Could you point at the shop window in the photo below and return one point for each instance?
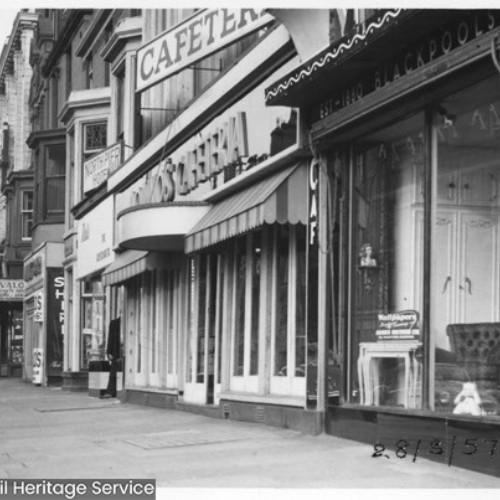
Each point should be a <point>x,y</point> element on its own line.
<point>387,266</point>
<point>26,214</point>
<point>246,299</point>
<point>465,304</point>
<point>93,335</point>
<point>289,310</point>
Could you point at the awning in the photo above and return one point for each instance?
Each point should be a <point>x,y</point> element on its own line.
<point>134,262</point>
<point>280,198</point>
<point>125,266</point>
<point>386,34</point>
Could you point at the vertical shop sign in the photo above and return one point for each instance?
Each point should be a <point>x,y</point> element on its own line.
<point>37,366</point>
<point>38,310</point>
<point>313,206</point>
<point>55,320</point>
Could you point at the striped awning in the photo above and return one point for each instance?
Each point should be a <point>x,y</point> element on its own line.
<point>280,198</point>
<point>125,266</point>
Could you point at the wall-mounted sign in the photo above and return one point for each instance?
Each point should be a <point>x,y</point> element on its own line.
<point>401,325</point>
<point>11,290</point>
<point>97,169</point>
<point>202,34</point>
<point>38,307</point>
<point>55,320</point>
<point>95,239</point>
<point>242,137</point>
<point>37,377</point>
<point>313,202</point>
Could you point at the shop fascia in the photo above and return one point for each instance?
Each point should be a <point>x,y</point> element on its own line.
<point>461,32</point>
<point>11,290</point>
<point>226,144</point>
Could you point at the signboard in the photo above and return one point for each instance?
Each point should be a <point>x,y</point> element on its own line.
<point>247,133</point>
<point>55,320</point>
<point>37,366</point>
<point>401,325</point>
<point>97,168</point>
<point>38,308</point>
<point>417,56</point>
<point>11,290</point>
<point>95,239</point>
<point>202,34</point>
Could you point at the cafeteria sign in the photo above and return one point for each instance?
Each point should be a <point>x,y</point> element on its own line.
<point>199,36</point>
<point>401,325</point>
<point>11,290</point>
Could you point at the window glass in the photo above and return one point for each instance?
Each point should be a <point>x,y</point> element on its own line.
<point>202,318</point>
<point>27,214</point>
<point>300,303</point>
<point>282,279</point>
<point>254,327</point>
<point>465,314</point>
<point>239,325</point>
<point>386,271</point>
<point>55,166</point>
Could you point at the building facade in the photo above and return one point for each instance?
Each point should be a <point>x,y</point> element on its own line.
<point>16,200</point>
<point>291,229</point>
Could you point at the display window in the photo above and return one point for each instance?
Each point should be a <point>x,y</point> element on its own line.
<point>424,269</point>
<point>465,300</point>
<point>93,335</point>
<point>386,266</point>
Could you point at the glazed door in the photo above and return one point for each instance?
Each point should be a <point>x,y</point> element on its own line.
<point>203,344</point>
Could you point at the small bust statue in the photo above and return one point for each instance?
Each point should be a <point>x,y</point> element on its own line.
<point>366,256</point>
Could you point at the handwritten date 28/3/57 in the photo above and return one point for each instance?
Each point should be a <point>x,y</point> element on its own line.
<point>403,448</point>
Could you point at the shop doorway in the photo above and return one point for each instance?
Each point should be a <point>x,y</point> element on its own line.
<point>204,340</point>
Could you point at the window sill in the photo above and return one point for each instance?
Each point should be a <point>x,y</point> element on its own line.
<point>263,399</point>
<point>494,419</point>
<point>156,390</point>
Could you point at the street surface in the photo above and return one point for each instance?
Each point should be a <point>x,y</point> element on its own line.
<point>50,434</point>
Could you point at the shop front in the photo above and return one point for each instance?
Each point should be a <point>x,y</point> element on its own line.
<point>93,254</point>
<point>44,325</point>
<point>409,155</point>
<point>215,268</point>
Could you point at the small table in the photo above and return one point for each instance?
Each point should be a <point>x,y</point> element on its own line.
<point>368,369</point>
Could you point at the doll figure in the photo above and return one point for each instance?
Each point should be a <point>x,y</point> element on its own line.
<point>468,401</point>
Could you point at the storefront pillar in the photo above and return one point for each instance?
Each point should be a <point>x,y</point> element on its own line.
<point>322,283</point>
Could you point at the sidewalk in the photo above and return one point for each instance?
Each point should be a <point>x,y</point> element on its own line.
<point>47,433</point>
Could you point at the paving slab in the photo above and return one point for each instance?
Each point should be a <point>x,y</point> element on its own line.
<point>46,433</point>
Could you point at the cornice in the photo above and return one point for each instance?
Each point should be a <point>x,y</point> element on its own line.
<point>127,30</point>
<point>82,99</point>
<point>93,31</point>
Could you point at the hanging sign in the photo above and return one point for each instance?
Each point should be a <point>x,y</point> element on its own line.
<point>97,168</point>
<point>401,325</point>
<point>202,34</point>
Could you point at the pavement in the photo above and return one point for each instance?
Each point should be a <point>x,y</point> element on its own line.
<point>46,433</point>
